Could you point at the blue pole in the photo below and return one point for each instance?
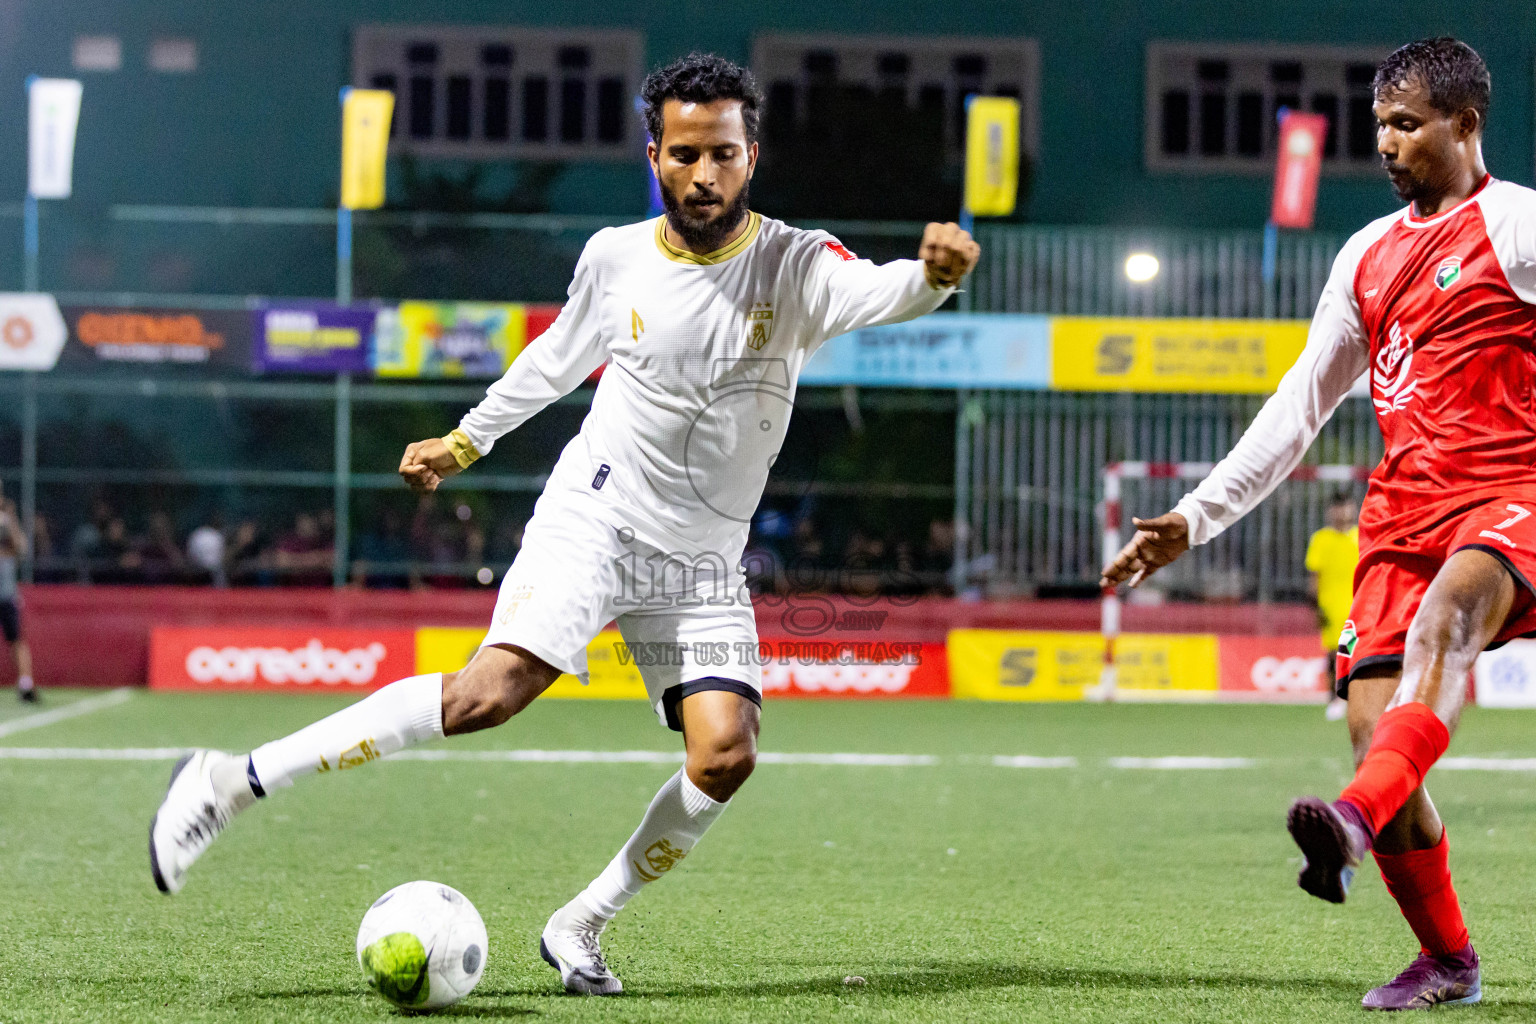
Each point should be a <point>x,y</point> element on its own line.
<point>29,244</point>
<point>343,256</point>
<point>1271,250</point>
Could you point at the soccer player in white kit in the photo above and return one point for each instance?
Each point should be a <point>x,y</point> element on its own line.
<point>706,316</point>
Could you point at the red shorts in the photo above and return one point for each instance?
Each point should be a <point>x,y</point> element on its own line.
<point>1392,578</point>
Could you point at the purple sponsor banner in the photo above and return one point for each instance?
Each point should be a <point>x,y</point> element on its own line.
<point>313,337</point>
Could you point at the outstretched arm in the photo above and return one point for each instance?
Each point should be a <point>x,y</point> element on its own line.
<point>848,293</point>
<point>1335,355</point>
<point>552,366</point>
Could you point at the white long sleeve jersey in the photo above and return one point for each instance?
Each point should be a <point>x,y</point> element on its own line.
<point>1442,311</point>
<point>705,355</point>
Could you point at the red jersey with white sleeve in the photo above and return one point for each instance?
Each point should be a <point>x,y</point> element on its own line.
<point>1441,313</point>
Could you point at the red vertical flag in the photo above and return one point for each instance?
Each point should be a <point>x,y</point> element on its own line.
<point>1296,170</point>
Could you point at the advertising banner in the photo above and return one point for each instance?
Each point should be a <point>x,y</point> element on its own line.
<point>795,667</point>
<point>991,155</point>
<point>288,658</point>
<point>310,337</point>
<point>1170,666</point>
<point>449,339</point>
<point>1130,354</point>
<point>1278,668</point>
<point>1506,678</point>
<point>365,116</point>
<point>199,337</point>
<point>53,112</point>
<point>32,331</point>
<point>612,674</point>
<point>994,664</point>
<point>1299,161</point>
<point>987,664</point>
<point>941,350</point>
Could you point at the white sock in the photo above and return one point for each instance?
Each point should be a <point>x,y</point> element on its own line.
<point>402,714</point>
<point>24,683</point>
<point>677,819</point>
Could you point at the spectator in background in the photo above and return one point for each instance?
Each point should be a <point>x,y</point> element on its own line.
<point>13,545</point>
<point>382,553</point>
<point>244,553</point>
<point>163,560</point>
<point>1332,554</point>
<point>303,557</point>
<point>205,552</point>
<point>938,555</point>
<point>86,545</point>
<point>121,560</point>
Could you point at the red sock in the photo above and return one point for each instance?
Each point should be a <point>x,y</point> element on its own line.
<point>1420,881</point>
<point>1408,741</point>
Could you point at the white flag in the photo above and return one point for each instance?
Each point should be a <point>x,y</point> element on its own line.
<point>53,110</point>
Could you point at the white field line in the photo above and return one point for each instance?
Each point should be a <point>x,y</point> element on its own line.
<point>111,698</point>
<point>1490,764</point>
<point>1487,764</point>
<point>1030,761</point>
<point>1182,763</point>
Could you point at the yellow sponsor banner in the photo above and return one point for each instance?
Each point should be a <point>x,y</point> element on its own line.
<point>991,155</point>
<point>612,676</point>
<point>992,664</point>
<point>365,115</point>
<point>449,339</point>
<point>1132,354</point>
<point>1021,665</point>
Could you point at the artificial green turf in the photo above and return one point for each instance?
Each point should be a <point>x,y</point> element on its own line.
<point>960,891</point>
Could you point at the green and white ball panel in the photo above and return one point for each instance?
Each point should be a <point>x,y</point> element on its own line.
<point>422,945</point>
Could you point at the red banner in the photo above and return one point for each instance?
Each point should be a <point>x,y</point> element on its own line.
<point>286,658</point>
<point>1300,161</point>
<point>1273,667</point>
<point>840,668</point>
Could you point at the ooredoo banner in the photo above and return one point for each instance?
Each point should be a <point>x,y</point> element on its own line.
<point>1278,668</point>
<point>287,658</point>
<point>795,667</point>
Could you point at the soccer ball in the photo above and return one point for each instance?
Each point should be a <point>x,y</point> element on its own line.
<point>422,945</point>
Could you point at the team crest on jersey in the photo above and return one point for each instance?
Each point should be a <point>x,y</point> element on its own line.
<point>759,325</point>
<point>1348,638</point>
<point>1391,383</point>
<point>1448,272</point>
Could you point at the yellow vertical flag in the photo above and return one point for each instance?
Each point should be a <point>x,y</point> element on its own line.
<point>991,155</point>
<point>365,115</point>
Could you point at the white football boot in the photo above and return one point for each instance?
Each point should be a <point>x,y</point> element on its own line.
<point>569,945</point>
<point>190,817</point>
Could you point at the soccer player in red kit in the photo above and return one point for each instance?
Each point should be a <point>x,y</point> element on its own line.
<point>1435,303</point>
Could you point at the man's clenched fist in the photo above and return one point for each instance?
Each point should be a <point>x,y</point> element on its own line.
<point>948,254</point>
<point>428,463</point>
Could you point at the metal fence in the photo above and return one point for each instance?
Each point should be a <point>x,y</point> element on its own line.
<point>1080,271</point>
<point>1028,488</point>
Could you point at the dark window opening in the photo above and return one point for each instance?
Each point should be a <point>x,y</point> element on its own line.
<point>821,66</point>
<point>535,109</point>
<point>1360,74</point>
<point>1250,124</point>
<point>970,65</point>
<point>1175,122</point>
<point>1327,104</point>
<point>1213,124</point>
<point>573,110</point>
<point>423,95</point>
<point>1286,72</point>
<point>1213,70</point>
<point>458,107</point>
<point>421,53</point>
<point>496,55</point>
<point>1362,128</point>
<point>574,58</point>
<point>387,83</point>
<point>897,64</point>
<point>610,110</point>
<point>497,120</point>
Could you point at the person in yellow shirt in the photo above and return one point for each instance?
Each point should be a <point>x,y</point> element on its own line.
<point>1331,557</point>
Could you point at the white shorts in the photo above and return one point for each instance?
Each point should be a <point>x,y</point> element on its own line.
<point>688,623</point>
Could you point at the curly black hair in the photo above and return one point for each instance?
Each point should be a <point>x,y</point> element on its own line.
<point>701,78</point>
<point>1452,71</point>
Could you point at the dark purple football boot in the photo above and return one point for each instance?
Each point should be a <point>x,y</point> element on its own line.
<point>1430,981</point>
<point>1332,838</point>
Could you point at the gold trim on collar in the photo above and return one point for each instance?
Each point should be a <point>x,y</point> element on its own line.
<point>676,255</point>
